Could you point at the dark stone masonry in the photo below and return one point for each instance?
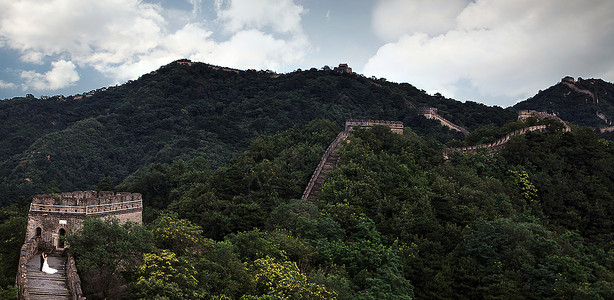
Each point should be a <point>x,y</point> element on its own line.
<point>52,216</point>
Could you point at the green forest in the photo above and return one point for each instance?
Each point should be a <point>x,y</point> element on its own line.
<point>222,159</point>
<point>393,221</point>
<point>182,112</point>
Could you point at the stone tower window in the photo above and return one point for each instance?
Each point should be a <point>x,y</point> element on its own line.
<point>39,231</point>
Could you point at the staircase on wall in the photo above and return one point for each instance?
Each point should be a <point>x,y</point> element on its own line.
<point>331,156</point>
<point>431,113</point>
<point>328,162</point>
<point>47,286</point>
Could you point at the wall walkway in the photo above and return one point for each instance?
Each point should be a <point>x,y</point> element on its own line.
<point>431,113</point>
<point>330,158</point>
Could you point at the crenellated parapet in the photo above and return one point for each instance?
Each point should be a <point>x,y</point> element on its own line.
<point>85,198</point>
<point>529,113</point>
<point>53,215</point>
<point>395,126</point>
<point>73,281</point>
<point>498,144</point>
<point>28,250</point>
<point>86,203</point>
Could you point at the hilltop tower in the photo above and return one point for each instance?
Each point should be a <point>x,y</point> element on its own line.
<point>343,68</point>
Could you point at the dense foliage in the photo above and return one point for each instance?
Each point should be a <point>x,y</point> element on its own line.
<point>185,111</point>
<point>222,158</point>
<point>393,221</point>
<point>586,102</point>
<point>13,221</point>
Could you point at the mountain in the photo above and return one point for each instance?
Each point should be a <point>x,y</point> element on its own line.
<point>189,109</point>
<point>585,102</point>
<point>392,220</point>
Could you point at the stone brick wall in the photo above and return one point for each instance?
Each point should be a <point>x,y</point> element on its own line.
<point>498,144</point>
<point>135,216</point>
<point>28,249</point>
<point>74,281</point>
<point>57,214</point>
<point>431,113</point>
<point>395,126</point>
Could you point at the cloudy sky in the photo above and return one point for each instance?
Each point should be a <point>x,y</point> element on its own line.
<point>491,51</point>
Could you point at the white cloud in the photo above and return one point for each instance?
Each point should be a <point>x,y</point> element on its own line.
<point>504,49</point>
<point>270,53</point>
<point>7,85</point>
<point>124,39</point>
<point>393,18</point>
<point>112,29</point>
<point>62,74</point>
<point>281,16</point>
<point>196,6</point>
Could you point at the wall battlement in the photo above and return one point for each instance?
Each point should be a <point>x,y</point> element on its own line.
<point>395,126</point>
<point>52,216</point>
<point>85,198</point>
<point>528,113</point>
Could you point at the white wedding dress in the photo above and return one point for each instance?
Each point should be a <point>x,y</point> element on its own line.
<point>47,269</point>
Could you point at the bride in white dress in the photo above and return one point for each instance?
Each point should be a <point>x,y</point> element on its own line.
<point>46,267</point>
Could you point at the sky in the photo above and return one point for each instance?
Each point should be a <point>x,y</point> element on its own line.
<point>496,52</point>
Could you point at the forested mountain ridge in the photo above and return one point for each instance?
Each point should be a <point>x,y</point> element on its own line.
<point>585,102</point>
<point>222,157</point>
<point>188,109</point>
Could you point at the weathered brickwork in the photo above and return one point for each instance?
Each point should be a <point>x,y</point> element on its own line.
<point>395,126</point>
<point>52,216</point>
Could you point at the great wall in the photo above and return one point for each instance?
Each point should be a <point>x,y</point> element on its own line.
<point>571,83</point>
<point>522,115</point>
<point>53,216</point>
<point>330,158</point>
<point>431,113</point>
<point>50,218</point>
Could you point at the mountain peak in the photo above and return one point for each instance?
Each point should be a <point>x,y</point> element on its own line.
<point>586,102</point>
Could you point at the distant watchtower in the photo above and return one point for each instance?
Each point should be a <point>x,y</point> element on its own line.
<point>343,68</point>
<point>52,216</point>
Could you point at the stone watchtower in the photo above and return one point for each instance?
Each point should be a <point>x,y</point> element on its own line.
<point>52,216</point>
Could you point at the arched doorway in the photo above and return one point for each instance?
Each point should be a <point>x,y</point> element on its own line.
<point>39,231</point>
<point>62,233</point>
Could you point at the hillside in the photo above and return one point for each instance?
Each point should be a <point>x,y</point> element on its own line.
<point>223,156</point>
<point>585,102</point>
<point>185,110</point>
<point>392,220</point>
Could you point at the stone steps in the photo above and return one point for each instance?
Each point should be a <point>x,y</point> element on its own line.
<point>47,286</point>
<point>329,164</point>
